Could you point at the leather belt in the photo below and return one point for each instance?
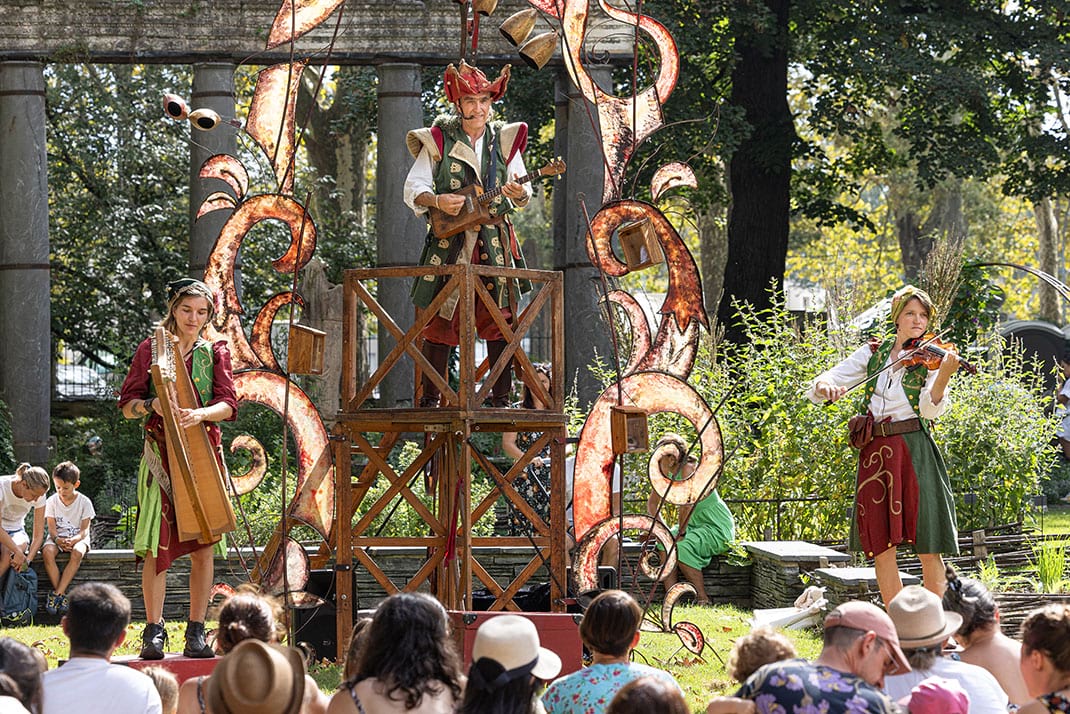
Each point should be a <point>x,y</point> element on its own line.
<point>891,428</point>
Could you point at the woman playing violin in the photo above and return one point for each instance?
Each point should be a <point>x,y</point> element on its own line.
<point>903,494</point>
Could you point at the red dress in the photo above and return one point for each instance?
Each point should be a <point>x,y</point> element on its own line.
<point>138,385</point>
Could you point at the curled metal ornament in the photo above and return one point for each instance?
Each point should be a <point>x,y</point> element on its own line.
<point>248,481</point>
<point>585,561</point>
<point>296,17</point>
<point>670,176</point>
<point>260,340</point>
<point>275,105</point>
<point>230,171</point>
<point>287,571</point>
<point>654,392</point>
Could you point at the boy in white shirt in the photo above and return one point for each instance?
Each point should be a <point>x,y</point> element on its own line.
<point>68,515</point>
<point>20,493</point>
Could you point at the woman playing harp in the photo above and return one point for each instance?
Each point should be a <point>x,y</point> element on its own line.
<point>190,305</point>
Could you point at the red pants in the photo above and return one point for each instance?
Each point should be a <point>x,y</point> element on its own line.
<point>447,332</point>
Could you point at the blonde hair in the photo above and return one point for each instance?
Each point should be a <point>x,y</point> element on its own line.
<point>33,476</point>
<point>762,645</point>
<point>167,685</point>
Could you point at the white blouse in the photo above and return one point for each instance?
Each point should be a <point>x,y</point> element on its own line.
<point>889,399</point>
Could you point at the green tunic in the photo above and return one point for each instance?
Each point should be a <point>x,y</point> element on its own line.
<point>709,531</point>
<point>455,168</point>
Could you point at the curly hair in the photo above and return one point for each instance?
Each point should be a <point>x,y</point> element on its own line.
<point>1047,630</point>
<point>762,645</point>
<point>408,648</point>
<point>971,599</point>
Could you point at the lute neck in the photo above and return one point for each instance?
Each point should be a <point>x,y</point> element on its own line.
<point>488,196</point>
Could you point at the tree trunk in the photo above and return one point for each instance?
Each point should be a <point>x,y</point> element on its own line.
<point>760,168</point>
<point>1048,258</point>
<point>713,254</point>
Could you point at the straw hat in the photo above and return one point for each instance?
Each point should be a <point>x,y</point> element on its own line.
<point>512,642</point>
<point>920,618</point>
<point>258,678</point>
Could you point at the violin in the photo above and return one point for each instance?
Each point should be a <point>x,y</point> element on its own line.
<point>931,353</point>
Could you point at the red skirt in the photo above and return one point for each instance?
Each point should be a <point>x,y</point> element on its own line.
<point>886,500</point>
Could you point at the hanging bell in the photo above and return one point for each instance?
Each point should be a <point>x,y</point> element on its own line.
<point>518,26</point>
<point>539,49</point>
<point>484,7</point>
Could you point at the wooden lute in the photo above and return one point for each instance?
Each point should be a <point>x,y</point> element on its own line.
<point>476,208</point>
<point>199,494</point>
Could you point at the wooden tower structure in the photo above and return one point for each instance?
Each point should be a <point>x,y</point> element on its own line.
<point>436,485</point>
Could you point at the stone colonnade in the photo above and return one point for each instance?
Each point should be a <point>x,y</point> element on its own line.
<point>25,348</point>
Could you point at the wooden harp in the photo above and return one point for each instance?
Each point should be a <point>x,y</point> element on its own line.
<point>198,492</point>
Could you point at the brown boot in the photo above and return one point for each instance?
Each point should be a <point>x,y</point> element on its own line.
<point>499,394</point>
<point>438,355</point>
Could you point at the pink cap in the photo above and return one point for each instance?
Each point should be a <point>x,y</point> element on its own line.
<point>937,695</point>
<point>867,617</point>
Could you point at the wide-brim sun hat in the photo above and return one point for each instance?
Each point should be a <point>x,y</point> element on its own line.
<point>920,618</point>
<point>513,642</point>
<point>257,678</point>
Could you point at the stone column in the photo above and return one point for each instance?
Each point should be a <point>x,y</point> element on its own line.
<point>399,232</point>
<point>25,331</point>
<point>586,331</point>
<point>213,88</point>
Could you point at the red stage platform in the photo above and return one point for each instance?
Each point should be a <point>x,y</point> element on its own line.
<point>558,632</point>
<point>182,667</point>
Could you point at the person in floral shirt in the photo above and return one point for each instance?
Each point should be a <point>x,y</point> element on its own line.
<point>860,648</point>
<point>610,629</point>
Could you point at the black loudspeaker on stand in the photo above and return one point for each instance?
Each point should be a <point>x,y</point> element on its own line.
<point>317,627</point>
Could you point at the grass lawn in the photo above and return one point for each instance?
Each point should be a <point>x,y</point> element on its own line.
<point>1054,521</point>
<point>701,677</point>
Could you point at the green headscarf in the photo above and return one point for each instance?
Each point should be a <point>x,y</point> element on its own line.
<point>903,295</point>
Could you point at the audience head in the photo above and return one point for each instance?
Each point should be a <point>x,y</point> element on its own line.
<point>35,480</point>
<point>508,668</point>
<point>96,619</point>
<point>937,695</point>
<point>611,623</point>
<point>648,695</point>
<point>922,624</point>
<point>972,600</point>
<point>762,645</point>
<point>408,647</point>
<point>1045,647</point>
<point>257,678</point>
<point>67,472</point>
<point>542,373</point>
<point>167,685</point>
<point>247,615</point>
<point>867,632</point>
<point>356,646</point>
<point>20,673</point>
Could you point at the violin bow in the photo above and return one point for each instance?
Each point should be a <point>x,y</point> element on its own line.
<point>891,365</point>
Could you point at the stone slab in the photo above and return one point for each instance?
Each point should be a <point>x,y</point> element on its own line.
<point>794,551</point>
<point>854,577</point>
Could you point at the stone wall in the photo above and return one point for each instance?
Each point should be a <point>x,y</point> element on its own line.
<point>725,583</point>
<point>186,31</point>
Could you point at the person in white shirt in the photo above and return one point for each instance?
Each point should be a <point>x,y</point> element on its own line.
<point>96,621</point>
<point>19,493</point>
<point>460,150</point>
<point>68,515</point>
<point>903,493</point>
<point>924,627</point>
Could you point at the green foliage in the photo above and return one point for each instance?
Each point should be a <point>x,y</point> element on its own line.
<point>1056,483</point>
<point>7,455</point>
<point>976,307</point>
<point>1049,561</point>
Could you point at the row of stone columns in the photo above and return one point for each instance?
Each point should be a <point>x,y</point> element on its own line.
<point>25,343</point>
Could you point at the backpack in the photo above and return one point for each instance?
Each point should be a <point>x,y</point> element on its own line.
<point>19,598</point>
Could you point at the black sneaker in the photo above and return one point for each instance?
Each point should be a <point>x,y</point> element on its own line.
<point>153,641</point>
<point>196,645</point>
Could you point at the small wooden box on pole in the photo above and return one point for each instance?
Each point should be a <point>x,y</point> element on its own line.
<point>629,429</point>
<point>305,355</point>
<point>640,244</point>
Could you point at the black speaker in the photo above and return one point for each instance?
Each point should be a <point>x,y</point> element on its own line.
<point>317,628</point>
